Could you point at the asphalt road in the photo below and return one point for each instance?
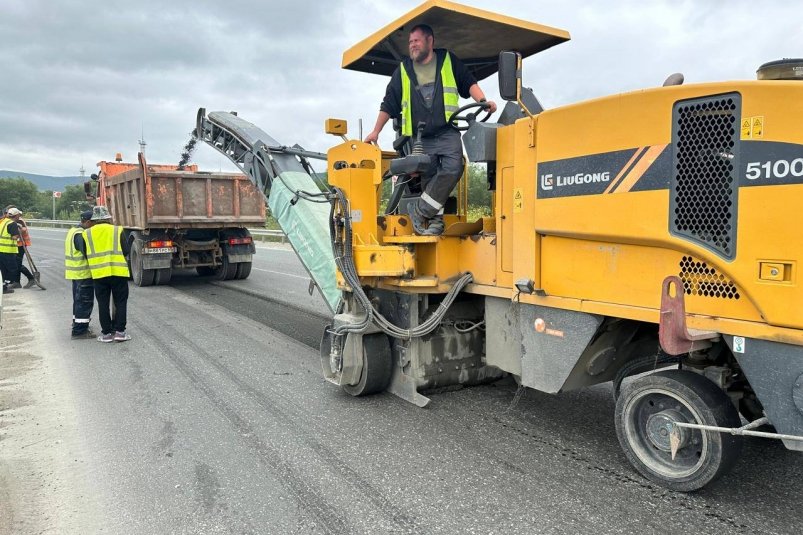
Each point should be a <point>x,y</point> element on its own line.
<point>215,418</point>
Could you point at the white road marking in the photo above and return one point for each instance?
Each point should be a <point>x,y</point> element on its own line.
<point>281,273</point>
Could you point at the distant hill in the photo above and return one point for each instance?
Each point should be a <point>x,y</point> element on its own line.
<point>44,182</point>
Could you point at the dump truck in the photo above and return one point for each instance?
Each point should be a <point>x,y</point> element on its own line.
<point>647,240</point>
<point>181,218</point>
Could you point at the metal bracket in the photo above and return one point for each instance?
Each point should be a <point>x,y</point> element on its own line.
<point>675,338</point>
<point>745,430</point>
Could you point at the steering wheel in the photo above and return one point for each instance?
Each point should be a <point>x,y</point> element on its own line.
<point>469,118</point>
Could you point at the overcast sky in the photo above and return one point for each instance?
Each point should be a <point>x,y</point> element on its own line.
<point>80,79</point>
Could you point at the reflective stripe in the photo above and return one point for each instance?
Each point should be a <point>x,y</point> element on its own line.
<point>451,97</point>
<point>430,201</point>
<point>105,256</point>
<point>81,320</point>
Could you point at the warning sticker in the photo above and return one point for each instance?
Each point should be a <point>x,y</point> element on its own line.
<point>746,123</point>
<point>757,128</point>
<point>518,201</point>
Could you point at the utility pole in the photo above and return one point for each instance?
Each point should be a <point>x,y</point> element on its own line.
<point>142,143</point>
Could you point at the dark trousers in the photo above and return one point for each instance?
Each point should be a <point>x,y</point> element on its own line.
<point>112,288</point>
<point>83,299</point>
<point>8,266</point>
<point>21,267</point>
<point>445,169</point>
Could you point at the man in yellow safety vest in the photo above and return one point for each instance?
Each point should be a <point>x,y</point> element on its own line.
<point>425,88</point>
<point>76,269</point>
<point>9,231</point>
<point>106,252</point>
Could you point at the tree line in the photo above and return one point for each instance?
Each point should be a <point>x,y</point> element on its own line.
<point>34,204</point>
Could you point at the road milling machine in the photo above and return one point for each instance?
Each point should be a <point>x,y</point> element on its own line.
<point>647,239</point>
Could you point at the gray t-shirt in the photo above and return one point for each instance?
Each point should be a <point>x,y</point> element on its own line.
<point>426,74</point>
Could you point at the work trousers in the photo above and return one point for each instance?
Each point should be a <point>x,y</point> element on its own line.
<point>83,299</point>
<point>8,266</point>
<point>21,267</point>
<point>116,289</point>
<point>445,169</point>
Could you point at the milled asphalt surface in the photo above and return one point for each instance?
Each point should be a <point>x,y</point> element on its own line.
<point>215,418</point>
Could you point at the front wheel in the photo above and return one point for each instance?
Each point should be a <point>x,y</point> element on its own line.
<point>644,415</point>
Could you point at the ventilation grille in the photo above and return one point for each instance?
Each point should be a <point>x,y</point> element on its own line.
<point>701,280</point>
<point>704,183</point>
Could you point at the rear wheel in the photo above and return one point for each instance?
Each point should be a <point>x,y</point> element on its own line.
<point>226,270</point>
<point>140,275</point>
<point>644,415</point>
<point>243,270</point>
<point>377,366</point>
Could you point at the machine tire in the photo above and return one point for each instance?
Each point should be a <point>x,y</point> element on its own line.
<point>163,276</point>
<point>226,270</point>
<point>140,275</point>
<point>243,270</point>
<point>377,366</point>
<point>648,403</point>
<point>205,271</point>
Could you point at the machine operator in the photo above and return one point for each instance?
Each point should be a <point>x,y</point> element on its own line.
<point>424,89</point>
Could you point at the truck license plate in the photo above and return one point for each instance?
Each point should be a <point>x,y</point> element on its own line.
<point>153,250</point>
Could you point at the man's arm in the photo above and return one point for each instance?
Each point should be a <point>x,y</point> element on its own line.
<point>467,84</point>
<point>78,242</point>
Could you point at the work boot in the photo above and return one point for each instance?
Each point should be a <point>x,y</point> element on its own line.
<point>436,226</point>
<point>15,285</point>
<point>30,284</point>
<point>82,336</point>
<point>419,221</point>
<point>7,290</point>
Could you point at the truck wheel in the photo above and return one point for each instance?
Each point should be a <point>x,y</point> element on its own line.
<point>163,276</point>
<point>243,270</point>
<point>225,271</point>
<point>644,413</point>
<point>140,275</point>
<point>377,366</point>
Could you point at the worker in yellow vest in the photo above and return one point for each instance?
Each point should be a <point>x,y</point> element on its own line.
<point>426,88</point>
<point>76,269</point>
<point>9,231</point>
<point>106,253</point>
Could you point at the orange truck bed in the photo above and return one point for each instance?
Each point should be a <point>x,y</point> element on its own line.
<point>142,196</point>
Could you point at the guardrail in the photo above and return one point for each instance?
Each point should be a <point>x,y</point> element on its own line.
<point>259,234</point>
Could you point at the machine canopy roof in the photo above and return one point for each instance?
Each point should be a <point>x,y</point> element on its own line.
<point>474,35</point>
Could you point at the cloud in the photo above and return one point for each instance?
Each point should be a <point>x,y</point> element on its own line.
<point>81,80</point>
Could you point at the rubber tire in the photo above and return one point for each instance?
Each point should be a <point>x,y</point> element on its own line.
<point>243,270</point>
<point>140,275</point>
<point>714,408</point>
<point>205,271</point>
<point>377,366</point>
<point>225,271</point>
<point>163,276</point>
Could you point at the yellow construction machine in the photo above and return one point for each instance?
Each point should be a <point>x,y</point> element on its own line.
<point>648,239</point>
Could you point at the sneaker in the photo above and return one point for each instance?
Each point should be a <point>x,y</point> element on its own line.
<point>83,336</point>
<point>121,336</point>
<point>30,284</point>
<point>106,338</point>
<point>15,285</point>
